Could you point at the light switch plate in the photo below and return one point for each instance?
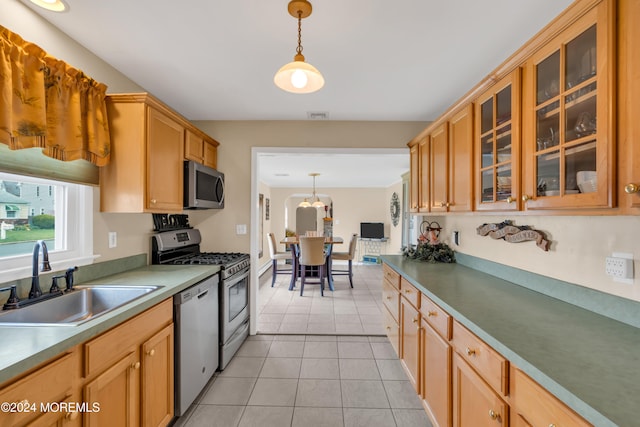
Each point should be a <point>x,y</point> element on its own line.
<point>113,239</point>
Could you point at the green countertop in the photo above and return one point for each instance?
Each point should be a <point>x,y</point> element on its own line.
<point>25,347</point>
<point>587,360</point>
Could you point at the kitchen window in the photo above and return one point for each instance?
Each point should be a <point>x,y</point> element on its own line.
<point>61,216</point>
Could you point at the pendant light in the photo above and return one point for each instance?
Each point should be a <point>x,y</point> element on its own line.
<point>316,200</point>
<point>299,76</point>
<point>53,5</point>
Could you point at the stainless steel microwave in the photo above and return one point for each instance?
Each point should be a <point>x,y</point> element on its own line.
<point>203,187</point>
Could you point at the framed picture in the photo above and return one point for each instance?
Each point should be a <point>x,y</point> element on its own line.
<point>266,209</point>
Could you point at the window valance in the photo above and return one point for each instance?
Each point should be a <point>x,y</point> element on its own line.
<point>46,103</point>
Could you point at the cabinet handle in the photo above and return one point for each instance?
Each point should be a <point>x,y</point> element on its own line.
<point>494,415</point>
<point>470,352</point>
<point>415,320</point>
<point>441,204</point>
<point>153,201</point>
<point>631,188</point>
<point>388,328</point>
<point>511,199</point>
<point>71,415</point>
<point>135,365</point>
<point>407,291</point>
<point>389,297</point>
<point>151,352</point>
<point>432,313</point>
<point>552,425</point>
<point>526,197</point>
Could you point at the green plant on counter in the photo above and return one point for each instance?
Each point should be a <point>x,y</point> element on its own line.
<point>425,251</point>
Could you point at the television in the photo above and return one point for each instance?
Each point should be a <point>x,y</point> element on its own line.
<point>371,230</point>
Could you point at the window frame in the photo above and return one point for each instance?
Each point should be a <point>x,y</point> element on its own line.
<point>73,231</point>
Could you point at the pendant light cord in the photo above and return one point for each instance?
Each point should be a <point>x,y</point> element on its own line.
<point>299,48</point>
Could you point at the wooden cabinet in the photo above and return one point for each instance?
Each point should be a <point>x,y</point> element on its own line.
<point>532,405</point>
<point>410,336</point>
<point>391,302</point>
<point>38,398</point>
<point>451,154</point>
<point>200,148</point>
<point>419,181</point>
<point>475,403</point>
<point>130,370</point>
<point>628,107</point>
<point>146,170</point>
<point>436,362</point>
<point>568,122</point>
<point>497,146</point>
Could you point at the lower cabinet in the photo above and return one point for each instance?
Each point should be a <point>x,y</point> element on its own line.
<point>474,402</point>
<point>462,381</point>
<point>123,377</point>
<point>436,376</point>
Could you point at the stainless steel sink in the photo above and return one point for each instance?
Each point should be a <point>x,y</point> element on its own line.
<point>84,303</point>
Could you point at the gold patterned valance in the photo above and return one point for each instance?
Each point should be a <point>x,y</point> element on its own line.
<point>46,103</point>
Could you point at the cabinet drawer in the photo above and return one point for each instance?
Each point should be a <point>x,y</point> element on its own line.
<point>393,331</point>
<point>486,361</point>
<point>410,292</point>
<point>49,384</point>
<point>391,299</point>
<point>391,276</point>
<point>439,319</point>
<point>539,407</point>
<point>113,345</point>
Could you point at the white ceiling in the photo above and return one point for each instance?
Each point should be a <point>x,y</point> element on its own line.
<point>383,60</point>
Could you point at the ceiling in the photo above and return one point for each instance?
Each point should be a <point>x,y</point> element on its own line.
<point>382,60</point>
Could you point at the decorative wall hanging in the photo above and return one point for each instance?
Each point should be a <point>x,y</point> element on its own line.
<point>394,207</point>
<point>514,234</point>
<point>429,248</point>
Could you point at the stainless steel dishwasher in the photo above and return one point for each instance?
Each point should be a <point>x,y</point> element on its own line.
<point>196,340</point>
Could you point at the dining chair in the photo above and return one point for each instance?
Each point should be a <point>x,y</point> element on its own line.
<point>312,255</point>
<point>346,256</point>
<point>275,256</point>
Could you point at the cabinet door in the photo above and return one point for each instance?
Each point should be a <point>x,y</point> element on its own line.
<point>570,124</point>
<point>423,157</point>
<point>497,146</point>
<point>210,154</point>
<point>165,145</point>
<point>474,403</point>
<point>157,379</point>
<point>414,180</point>
<point>439,168</point>
<point>436,376</point>
<point>410,349</point>
<point>117,390</point>
<point>193,147</point>
<point>460,194</point>
<point>393,330</point>
<point>629,106</point>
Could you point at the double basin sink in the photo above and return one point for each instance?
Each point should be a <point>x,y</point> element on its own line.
<point>84,303</point>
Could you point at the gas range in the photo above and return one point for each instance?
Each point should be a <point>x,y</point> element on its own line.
<point>182,247</point>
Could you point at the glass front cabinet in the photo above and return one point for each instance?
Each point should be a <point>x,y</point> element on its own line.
<point>568,120</point>
<point>497,146</point>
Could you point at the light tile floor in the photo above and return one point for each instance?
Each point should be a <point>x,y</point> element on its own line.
<point>345,311</point>
<point>309,381</point>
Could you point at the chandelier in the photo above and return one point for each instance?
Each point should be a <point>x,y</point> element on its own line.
<point>315,200</point>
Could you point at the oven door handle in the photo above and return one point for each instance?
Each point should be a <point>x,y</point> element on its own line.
<point>230,281</point>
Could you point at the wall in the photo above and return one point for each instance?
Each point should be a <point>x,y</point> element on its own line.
<point>577,254</point>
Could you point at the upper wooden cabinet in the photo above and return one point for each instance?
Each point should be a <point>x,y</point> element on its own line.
<point>628,105</point>
<point>497,146</point>
<point>451,154</point>
<point>200,148</point>
<point>147,145</point>
<point>419,183</point>
<point>568,116</point>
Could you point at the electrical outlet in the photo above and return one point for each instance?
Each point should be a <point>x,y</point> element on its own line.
<point>620,267</point>
<point>113,239</point>
<point>241,229</point>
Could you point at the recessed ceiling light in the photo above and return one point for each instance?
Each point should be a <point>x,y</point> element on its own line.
<point>52,5</point>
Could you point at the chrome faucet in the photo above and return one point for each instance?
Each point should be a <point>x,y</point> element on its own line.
<point>35,291</point>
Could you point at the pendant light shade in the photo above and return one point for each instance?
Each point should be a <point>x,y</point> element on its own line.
<point>299,76</point>
<point>316,203</point>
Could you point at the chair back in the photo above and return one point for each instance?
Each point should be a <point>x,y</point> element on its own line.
<point>312,251</point>
<point>272,244</point>
<point>352,246</point>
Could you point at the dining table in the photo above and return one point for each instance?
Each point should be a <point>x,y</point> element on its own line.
<point>294,241</point>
